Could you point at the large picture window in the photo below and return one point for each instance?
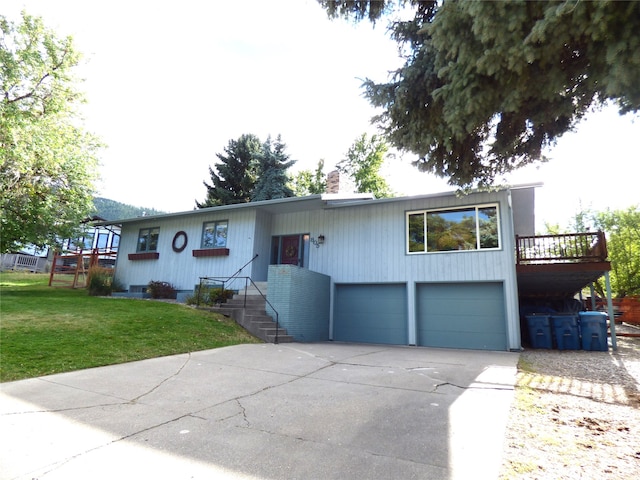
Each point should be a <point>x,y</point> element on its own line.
<point>470,228</point>
<point>148,239</point>
<point>214,234</point>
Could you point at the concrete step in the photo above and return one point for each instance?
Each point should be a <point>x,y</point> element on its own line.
<point>272,331</point>
<point>256,312</point>
<point>281,339</point>
<point>255,289</point>
<point>249,310</point>
<point>251,302</point>
<point>263,323</point>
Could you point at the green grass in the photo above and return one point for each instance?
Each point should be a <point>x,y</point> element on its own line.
<point>45,330</point>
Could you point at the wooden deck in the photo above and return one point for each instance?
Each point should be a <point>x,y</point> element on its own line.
<point>559,266</point>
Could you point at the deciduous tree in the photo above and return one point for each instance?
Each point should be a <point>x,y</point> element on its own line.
<point>622,228</point>
<point>362,164</point>
<point>307,182</point>
<point>48,163</point>
<point>623,245</point>
<point>487,86</point>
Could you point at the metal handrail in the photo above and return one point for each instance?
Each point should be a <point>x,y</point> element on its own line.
<point>267,302</point>
<point>247,281</point>
<point>226,280</point>
<point>562,248</point>
<point>242,267</point>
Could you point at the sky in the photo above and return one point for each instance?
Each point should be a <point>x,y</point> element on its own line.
<point>168,84</point>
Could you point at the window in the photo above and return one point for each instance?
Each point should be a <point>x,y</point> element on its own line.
<point>148,239</point>
<point>81,243</point>
<point>472,228</point>
<point>103,239</point>
<point>214,234</point>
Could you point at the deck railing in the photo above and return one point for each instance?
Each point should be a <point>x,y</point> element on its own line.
<point>563,248</point>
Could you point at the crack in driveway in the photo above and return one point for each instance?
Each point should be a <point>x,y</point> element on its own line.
<point>135,400</point>
<point>166,408</point>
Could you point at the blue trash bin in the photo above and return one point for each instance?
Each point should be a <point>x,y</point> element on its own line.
<point>539,327</point>
<point>566,331</point>
<point>594,331</point>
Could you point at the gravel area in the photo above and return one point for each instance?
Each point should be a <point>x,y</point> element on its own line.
<point>576,414</point>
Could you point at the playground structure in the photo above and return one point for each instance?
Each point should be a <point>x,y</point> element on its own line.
<point>72,269</point>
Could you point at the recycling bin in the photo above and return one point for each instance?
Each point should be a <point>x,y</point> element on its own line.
<point>566,331</point>
<point>539,327</point>
<point>594,331</point>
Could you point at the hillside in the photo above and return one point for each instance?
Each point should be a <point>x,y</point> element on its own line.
<point>112,210</point>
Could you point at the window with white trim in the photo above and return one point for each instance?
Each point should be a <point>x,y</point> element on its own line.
<point>214,234</point>
<point>456,229</point>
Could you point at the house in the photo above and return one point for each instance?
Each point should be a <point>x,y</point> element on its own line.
<point>94,236</point>
<point>102,240</point>
<point>431,270</point>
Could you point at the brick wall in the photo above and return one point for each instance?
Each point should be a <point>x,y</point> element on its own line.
<point>301,298</point>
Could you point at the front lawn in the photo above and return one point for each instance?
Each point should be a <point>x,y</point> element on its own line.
<point>45,330</point>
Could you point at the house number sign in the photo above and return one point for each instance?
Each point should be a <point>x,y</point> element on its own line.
<point>179,241</point>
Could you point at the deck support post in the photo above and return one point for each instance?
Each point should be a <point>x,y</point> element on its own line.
<point>612,318</point>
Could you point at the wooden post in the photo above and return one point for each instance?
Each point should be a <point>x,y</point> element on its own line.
<point>612,318</point>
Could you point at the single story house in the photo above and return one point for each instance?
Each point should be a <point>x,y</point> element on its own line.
<point>432,270</point>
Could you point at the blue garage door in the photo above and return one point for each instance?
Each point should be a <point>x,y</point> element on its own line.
<point>371,314</point>
<point>461,315</point>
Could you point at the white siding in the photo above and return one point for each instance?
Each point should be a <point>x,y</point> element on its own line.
<point>364,243</point>
<point>182,269</point>
<point>367,244</point>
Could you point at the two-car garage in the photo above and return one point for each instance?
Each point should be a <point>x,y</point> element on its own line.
<point>454,315</point>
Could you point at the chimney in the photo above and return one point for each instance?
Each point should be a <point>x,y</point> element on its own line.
<point>333,182</point>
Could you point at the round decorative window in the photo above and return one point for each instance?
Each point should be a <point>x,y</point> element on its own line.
<point>179,241</point>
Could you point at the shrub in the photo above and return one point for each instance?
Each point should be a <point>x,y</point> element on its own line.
<point>100,281</point>
<point>161,290</point>
<point>117,286</point>
<point>209,296</point>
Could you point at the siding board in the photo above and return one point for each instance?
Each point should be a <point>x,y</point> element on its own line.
<point>365,243</point>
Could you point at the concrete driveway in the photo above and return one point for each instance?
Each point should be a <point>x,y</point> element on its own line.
<point>288,411</point>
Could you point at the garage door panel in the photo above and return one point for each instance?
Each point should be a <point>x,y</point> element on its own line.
<point>467,340</point>
<point>465,315</point>
<point>446,307</point>
<point>371,314</point>
<point>460,323</point>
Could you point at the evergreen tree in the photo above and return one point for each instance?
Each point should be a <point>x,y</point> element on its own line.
<point>273,163</point>
<point>234,177</point>
<point>486,86</point>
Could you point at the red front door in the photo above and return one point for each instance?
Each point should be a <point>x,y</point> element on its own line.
<point>290,253</point>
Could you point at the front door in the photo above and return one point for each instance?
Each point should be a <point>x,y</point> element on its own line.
<point>290,252</point>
